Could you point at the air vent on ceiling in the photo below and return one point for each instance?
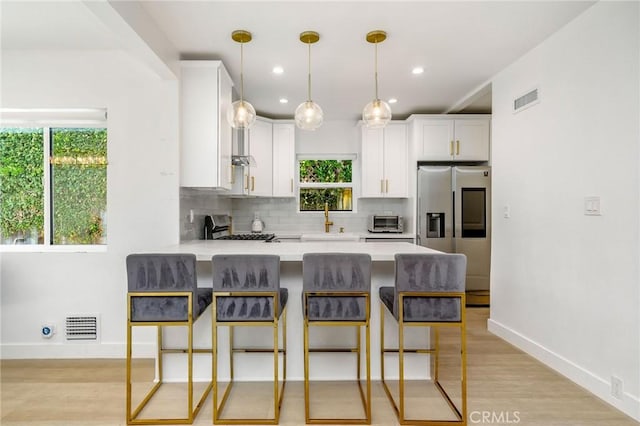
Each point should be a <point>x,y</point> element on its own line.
<point>82,327</point>
<point>525,101</point>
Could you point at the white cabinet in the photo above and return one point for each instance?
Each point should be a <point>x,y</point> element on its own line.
<point>450,138</point>
<point>284,153</point>
<point>257,178</point>
<point>384,164</point>
<point>205,135</point>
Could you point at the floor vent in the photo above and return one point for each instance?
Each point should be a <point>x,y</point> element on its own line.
<point>82,327</point>
<point>525,101</point>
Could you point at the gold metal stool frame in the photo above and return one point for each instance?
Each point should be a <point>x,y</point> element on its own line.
<point>366,400</point>
<point>277,391</point>
<point>192,412</point>
<point>461,414</point>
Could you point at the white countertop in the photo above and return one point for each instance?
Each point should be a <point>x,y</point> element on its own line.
<point>293,251</point>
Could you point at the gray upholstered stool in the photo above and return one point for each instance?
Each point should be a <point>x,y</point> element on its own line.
<point>163,292</point>
<point>246,292</point>
<point>337,292</point>
<point>429,291</point>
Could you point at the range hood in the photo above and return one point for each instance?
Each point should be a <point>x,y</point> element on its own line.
<point>240,157</point>
<point>243,160</point>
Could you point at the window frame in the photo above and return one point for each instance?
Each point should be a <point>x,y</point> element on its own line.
<point>321,185</point>
<point>48,120</point>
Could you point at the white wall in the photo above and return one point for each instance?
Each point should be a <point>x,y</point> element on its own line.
<point>565,286</point>
<point>333,137</point>
<point>142,197</point>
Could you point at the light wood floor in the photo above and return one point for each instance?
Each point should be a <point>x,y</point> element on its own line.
<point>502,380</point>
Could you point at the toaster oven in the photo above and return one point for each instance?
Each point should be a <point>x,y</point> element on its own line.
<point>385,223</point>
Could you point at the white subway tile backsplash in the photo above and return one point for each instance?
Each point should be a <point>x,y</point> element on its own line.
<point>278,214</point>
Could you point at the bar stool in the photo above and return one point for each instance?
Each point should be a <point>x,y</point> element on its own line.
<point>336,290</point>
<point>429,292</point>
<point>246,292</point>
<point>163,292</point>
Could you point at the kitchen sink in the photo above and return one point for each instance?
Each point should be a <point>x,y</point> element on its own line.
<point>335,236</point>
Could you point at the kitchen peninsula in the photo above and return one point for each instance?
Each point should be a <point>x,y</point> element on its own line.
<point>325,366</point>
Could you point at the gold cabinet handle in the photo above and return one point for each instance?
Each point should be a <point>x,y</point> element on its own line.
<point>382,186</point>
<point>387,181</point>
<point>233,174</point>
<point>253,183</point>
<point>451,148</point>
<point>457,147</point>
<point>246,182</point>
<point>292,185</point>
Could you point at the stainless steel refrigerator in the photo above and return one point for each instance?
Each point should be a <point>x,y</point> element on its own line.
<point>454,216</point>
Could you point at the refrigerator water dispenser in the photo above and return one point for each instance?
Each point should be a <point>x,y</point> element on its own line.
<point>435,225</point>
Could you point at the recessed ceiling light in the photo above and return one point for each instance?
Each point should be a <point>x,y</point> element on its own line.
<point>278,69</point>
<point>417,70</point>
<point>284,100</point>
<point>393,100</point>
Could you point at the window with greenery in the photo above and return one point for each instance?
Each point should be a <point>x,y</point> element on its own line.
<point>53,185</point>
<point>325,181</point>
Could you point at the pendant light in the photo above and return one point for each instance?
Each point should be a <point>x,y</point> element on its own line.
<point>309,114</point>
<point>377,113</point>
<point>241,115</point>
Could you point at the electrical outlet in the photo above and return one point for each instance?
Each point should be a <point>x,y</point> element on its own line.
<point>616,387</point>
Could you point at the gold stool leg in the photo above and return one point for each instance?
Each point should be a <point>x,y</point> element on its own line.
<point>276,399</point>
<point>306,369</point>
<point>129,354</point>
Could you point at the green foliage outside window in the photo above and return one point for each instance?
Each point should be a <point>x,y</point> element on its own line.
<point>331,172</point>
<point>325,171</point>
<point>78,183</point>
<point>313,199</point>
<point>21,188</point>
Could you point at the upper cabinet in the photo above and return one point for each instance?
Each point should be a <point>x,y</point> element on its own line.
<point>451,137</point>
<point>384,161</point>
<point>205,135</point>
<point>284,152</point>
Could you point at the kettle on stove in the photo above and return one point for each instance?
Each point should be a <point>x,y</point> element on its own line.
<point>257,225</point>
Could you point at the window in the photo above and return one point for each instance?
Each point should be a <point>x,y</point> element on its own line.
<point>53,184</point>
<point>325,181</point>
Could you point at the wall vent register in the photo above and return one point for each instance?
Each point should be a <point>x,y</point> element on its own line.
<point>81,327</point>
<point>525,101</point>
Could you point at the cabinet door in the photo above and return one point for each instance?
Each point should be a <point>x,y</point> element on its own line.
<point>225,135</point>
<point>199,113</point>
<point>284,151</point>
<point>396,170</point>
<point>261,149</point>
<point>472,140</point>
<point>437,140</point>
<point>372,162</point>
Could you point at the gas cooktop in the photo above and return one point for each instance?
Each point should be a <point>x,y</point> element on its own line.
<point>248,237</point>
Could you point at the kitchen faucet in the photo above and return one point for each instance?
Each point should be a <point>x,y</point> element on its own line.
<point>327,222</point>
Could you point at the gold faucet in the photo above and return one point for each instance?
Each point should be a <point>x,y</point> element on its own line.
<point>327,222</point>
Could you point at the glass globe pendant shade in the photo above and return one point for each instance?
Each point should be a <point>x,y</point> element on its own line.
<point>376,114</point>
<point>309,116</point>
<point>241,115</point>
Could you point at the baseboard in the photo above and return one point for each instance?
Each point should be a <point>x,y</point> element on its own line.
<point>629,404</point>
<point>73,350</point>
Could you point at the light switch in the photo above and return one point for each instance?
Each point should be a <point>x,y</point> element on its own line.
<point>592,206</point>
<point>506,212</point>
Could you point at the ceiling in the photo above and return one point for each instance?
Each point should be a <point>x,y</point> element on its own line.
<point>460,45</point>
